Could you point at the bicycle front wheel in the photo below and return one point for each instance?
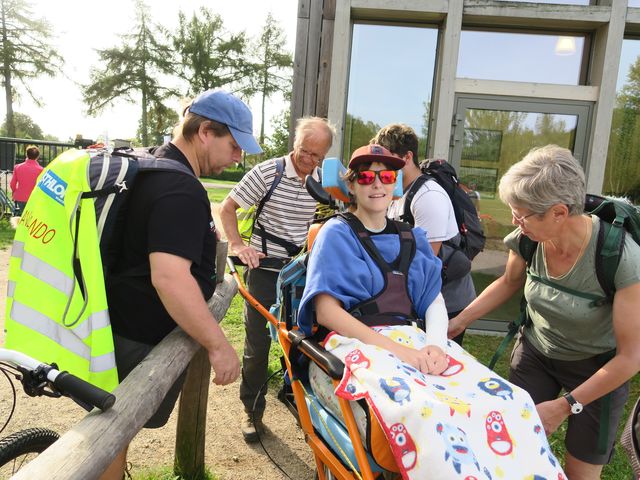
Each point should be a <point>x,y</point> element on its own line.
<point>20,448</point>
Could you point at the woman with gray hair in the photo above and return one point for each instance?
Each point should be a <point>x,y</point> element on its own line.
<point>567,343</point>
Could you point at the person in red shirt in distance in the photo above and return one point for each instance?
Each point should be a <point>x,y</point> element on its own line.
<point>24,178</point>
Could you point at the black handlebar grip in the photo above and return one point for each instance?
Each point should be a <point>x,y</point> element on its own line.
<point>75,387</point>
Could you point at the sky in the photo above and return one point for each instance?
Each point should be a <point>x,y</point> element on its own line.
<point>82,26</point>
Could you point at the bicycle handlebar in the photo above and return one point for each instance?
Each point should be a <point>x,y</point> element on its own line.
<point>75,387</point>
<point>64,382</point>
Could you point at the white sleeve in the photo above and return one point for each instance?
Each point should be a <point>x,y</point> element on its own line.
<point>432,210</point>
<point>437,323</point>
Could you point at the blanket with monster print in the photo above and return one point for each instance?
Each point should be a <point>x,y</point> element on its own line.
<point>467,423</point>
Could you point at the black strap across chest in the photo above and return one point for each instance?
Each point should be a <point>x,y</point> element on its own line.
<point>392,305</point>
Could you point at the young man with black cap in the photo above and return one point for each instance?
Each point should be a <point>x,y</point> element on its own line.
<point>166,271</point>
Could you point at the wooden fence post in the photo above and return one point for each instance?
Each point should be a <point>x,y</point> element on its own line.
<point>192,419</point>
<point>192,411</point>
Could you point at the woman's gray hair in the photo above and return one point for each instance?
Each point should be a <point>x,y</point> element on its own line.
<point>546,176</point>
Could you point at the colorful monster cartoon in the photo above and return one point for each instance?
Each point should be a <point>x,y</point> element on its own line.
<point>456,447</point>
<point>544,448</point>
<point>498,436</point>
<point>527,410</point>
<point>409,370</point>
<point>496,387</point>
<point>401,338</point>
<point>356,359</point>
<point>454,367</point>
<point>396,388</point>
<point>403,444</point>
<point>455,404</point>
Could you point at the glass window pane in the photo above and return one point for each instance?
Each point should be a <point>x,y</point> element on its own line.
<point>390,81</point>
<point>622,174</point>
<point>520,57</point>
<point>568,2</point>
<point>634,3</point>
<point>493,141</point>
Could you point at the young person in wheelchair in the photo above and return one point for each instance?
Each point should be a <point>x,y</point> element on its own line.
<point>372,292</point>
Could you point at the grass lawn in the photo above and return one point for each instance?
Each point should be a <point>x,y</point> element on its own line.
<point>6,232</point>
<point>482,347</point>
<point>231,183</point>
<point>216,195</point>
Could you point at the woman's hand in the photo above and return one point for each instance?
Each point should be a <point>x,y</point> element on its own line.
<point>553,413</point>
<point>456,327</point>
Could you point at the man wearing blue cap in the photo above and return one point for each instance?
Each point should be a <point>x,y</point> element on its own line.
<point>166,272</point>
<point>278,234</point>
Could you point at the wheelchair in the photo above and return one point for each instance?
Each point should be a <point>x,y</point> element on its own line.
<point>338,448</point>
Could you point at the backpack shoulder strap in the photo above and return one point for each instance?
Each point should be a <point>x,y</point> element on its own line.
<point>407,247</point>
<point>608,252</point>
<point>407,216</point>
<point>527,248</point>
<point>274,184</point>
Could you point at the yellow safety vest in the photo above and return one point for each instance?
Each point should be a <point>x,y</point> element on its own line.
<point>56,313</point>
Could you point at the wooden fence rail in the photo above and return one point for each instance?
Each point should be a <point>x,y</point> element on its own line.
<point>86,450</point>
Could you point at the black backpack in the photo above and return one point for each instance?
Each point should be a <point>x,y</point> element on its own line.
<point>110,179</point>
<point>472,238</point>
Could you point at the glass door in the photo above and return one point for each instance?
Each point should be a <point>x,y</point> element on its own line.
<point>489,135</point>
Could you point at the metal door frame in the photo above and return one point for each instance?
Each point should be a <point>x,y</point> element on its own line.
<point>583,110</point>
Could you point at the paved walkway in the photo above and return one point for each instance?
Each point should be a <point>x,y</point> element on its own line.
<point>490,261</point>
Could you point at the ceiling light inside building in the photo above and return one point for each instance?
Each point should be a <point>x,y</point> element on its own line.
<point>566,46</point>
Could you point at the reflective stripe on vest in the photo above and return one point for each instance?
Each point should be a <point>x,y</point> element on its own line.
<point>42,270</point>
<point>68,339</point>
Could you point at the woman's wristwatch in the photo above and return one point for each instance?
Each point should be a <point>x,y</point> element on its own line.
<point>576,406</point>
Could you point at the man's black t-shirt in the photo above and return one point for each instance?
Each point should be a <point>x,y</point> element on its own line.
<point>166,212</point>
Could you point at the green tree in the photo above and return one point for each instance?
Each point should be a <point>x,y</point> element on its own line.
<point>277,144</point>
<point>24,127</point>
<point>25,53</point>
<point>160,120</point>
<point>273,66</point>
<point>357,133</point>
<point>623,160</point>
<point>134,72</point>
<point>209,56</point>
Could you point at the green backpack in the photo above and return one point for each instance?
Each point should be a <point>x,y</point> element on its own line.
<point>618,216</point>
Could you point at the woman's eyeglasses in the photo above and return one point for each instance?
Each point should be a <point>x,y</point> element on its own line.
<point>520,220</point>
<point>367,177</point>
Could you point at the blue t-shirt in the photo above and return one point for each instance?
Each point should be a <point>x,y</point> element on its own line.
<point>340,266</point>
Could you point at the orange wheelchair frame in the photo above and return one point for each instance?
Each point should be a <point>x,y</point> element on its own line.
<point>328,462</point>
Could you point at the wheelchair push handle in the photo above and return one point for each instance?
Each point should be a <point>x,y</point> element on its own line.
<point>266,262</point>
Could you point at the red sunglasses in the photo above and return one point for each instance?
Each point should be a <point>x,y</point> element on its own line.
<point>367,177</point>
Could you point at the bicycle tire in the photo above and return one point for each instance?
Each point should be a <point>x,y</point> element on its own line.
<point>16,448</point>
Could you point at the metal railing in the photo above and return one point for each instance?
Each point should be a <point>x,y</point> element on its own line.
<point>13,150</point>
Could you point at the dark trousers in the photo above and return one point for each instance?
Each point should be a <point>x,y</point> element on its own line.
<point>262,286</point>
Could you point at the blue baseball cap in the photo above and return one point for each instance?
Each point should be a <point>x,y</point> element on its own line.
<point>225,108</point>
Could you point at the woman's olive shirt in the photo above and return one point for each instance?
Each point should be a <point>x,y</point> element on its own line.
<point>565,327</point>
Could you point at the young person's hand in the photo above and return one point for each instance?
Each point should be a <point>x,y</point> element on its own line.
<point>436,359</point>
